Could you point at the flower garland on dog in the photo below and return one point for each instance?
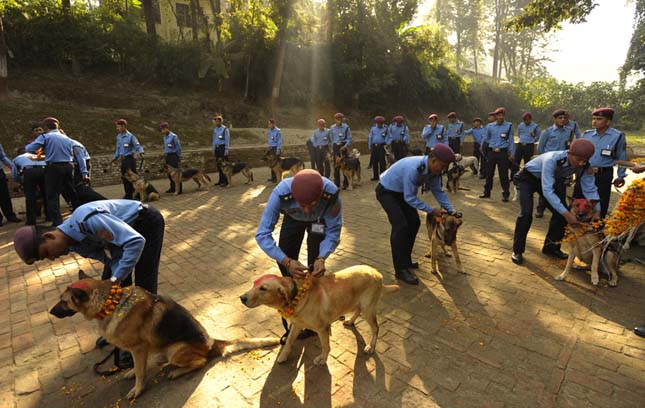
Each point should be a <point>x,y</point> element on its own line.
<point>630,211</point>
<point>302,290</point>
<point>111,302</point>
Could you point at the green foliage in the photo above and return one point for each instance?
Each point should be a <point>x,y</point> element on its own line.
<point>548,14</point>
<point>635,60</point>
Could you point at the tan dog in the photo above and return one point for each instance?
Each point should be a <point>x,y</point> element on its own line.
<point>199,176</point>
<point>230,169</point>
<point>283,166</point>
<point>453,175</point>
<point>353,290</point>
<point>144,324</point>
<point>468,162</point>
<point>144,191</point>
<point>588,246</point>
<point>350,166</point>
<point>443,232</point>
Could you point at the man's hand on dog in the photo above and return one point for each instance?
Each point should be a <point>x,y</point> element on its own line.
<point>319,267</point>
<point>570,217</point>
<point>295,268</point>
<point>436,212</point>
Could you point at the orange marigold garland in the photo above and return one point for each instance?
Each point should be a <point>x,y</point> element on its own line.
<point>630,211</point>
<point>571,234</point>
<point>304,288</point>
<point>111,302</point>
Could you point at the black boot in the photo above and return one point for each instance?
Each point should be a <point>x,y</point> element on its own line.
<point>406,276</point>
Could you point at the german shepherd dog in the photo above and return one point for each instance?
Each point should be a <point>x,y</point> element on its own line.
<point>350,165</point>
<point>442,231</point>
<point>588,246</point>
<point>389,156</point>
<point>199,176</point>
<point>454,174</point>
<point>282,165</point>
<point>144,324</point>
<point>143,190</point>
<point>230,168</point>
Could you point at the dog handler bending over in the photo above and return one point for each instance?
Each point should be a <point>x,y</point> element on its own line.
<point>123,234</point>
<point>397,193</point>
<point>547,175</point>
<point>309,203</point>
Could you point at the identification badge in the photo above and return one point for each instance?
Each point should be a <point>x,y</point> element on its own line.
<point>382,134</point>
<point>169,144</point>
<point>318,228</point>
<point>439,137</point>
<point>126,145</point>
<point>325,138</point>
<point>221,137</point>
<point>402,132</point>
<point>503,136</point>
<point>605,152</point>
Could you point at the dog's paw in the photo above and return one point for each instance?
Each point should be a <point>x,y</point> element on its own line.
<point>368,349</point>
<point>594,281</point>
<point>130,374</point>
<point>428,255</point>
<point>560,277</point>
<point>135,392</point>
<point>613,282</point>
<point>282,357</point>
<point>320,360</point>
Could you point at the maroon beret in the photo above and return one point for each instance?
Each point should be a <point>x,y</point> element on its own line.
<point>559,112</point>
<point>26,242</point>
<point>452,114</point>
<point>444,153</point>
<point>121,122</point>
<point>164,125</point>
<point>321,122</point>
<point>491,113</point>
<point>339,115</point>
<point>379,119</point>
<point>604,112</point>
<point>500,110</point>
<point>307,186</point>
<point>582,148</point>
<point>527,115</point>
<point>398,119</point>
<point>50,119</point>
<point>433,116</point>
<point>477,120</point>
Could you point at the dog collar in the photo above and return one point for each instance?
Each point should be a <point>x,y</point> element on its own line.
<point>301,291</point>
<point>111,302</point>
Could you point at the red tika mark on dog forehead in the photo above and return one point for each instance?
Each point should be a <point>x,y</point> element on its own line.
<point>262,279</point>
<point>581,203</point>
<point>78,285</point>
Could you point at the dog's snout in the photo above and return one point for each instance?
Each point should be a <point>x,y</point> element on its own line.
<point>244,299</point>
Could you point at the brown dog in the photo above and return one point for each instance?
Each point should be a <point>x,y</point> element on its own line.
<point>588,245</point>
<point>282,166</point>
<point>144,191</point>
<point>443,232</point>
<point>143,324</point>
<point>353,290</point>
<point>230,169</point>
<point>350,166</point>
<point>453,174</point>
<point>199,176</point>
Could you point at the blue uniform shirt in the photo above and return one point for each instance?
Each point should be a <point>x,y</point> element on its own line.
<point>275,139</point>
<point>609,147</point>
<point>80,156</point>
<point>321,137</point>
<point>477,134</point>
<point>171,144</point>
<point>378,135</point>
<point>3,157</point>
<point>554,139</point>
<point>281,201</point>
<point>341,134</point>
<point>573,126</point>
<point>407,175</point>
<point>434,136</point>
<point>22,161</point>
<point>528,133</point>
<point>500,136</point>
<point>398,133</point>
<point>221,137</point>
<point>126,145</point>
<point>456,130</point>
<point>56,146</point>
<point>107,236</point>
<point>546,168</point>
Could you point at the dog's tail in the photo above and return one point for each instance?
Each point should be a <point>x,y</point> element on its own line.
<point>207,177</point>
<point>221,348</point>
<point>390,289</point>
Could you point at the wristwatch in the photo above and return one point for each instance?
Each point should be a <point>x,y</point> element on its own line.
<point>113,279</point>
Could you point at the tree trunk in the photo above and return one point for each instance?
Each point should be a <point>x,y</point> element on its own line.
<point>194,9</point>
<point>279,69</point>
<point>247,83</point>
<point>149,13</point>
<point>458,49</point>
<point>4,71</point>
<point>438,11</point>
<point>475,60</point>
<point>330,21</point>
<point>358,74</point>
<point>217,24</point>
<point>66,5</point>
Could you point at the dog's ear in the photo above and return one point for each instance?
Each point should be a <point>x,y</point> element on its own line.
<point>79,296</point>
<point>286,287</point>
<point>82,275</point>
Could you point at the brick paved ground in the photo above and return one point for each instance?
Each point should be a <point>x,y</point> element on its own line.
<point>500,336</point>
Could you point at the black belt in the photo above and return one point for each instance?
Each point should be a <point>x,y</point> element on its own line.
<point>527,144</point>
<point>454,137</point>
<point>58,163</point>
<point>398,141</point>
<point>339,143</point>
<point>600,170</point>
<point>377,144</point>
<point>321,147</point>
<point>498,149</point>
<point>32,167</point>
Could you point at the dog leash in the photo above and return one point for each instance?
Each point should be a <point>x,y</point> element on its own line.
<point>143,161</point>
<point>109,372</point>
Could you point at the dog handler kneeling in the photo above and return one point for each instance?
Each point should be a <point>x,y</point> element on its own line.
<point>123,234</point>
<point>309,203</point>
<point>397,193</point>
<point>547,175</point>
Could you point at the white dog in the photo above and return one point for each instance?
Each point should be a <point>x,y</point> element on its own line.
<point>468,162</point>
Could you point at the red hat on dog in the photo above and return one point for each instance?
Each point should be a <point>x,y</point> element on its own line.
<point>307,186</point>
<point>604,112</point>
<point>444,153</point>
<point>379,119</point>
<point>582,148</point>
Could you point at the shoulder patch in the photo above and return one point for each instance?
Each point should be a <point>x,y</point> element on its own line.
<point>286,197</point>
<point>561,161</point>
<point>105,235</point>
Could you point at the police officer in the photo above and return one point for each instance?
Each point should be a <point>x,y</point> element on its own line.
<point>477,132</point>
<point>455,132</point>
<point>572,126</point>
<point>499,138</point>
<point>126,145</point>
<point>398,137</point>
<point>36,130</point>
<point>172,153</point>
<point>610,146</point>
<point>310,203</point>
<point>221,139</point>
<point>59,170</point>
<point>30,173</point>
<point>553,139</point>
<point>5,198</point>
<point>491,118</point>
<point>341,136</point>
<point>397,193</point>
<point>125,235</point>
<point>376,145</point>
<point>547,175</point>
<point>528,133</point>
<point>433,133</point>
<point>274,137</point>
<point>322,143</point>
